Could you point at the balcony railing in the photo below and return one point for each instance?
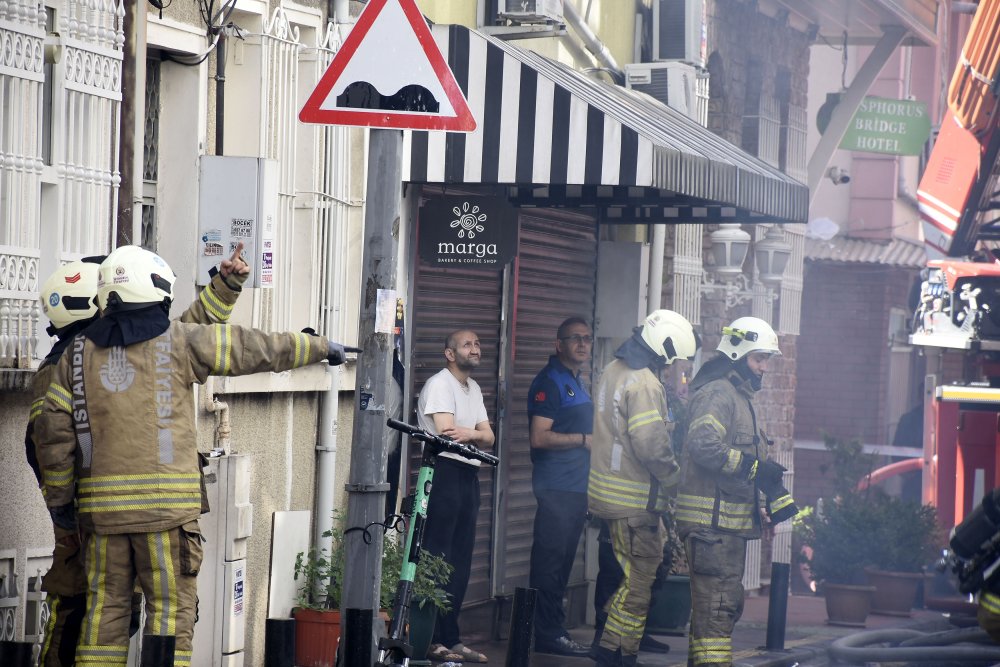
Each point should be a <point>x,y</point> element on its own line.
<point>19,309</point>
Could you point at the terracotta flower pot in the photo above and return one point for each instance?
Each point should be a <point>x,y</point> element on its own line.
<point>847,605</point>
<point>317,633</point>
<point>895,592</point>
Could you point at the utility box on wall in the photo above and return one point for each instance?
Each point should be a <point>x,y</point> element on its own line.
<point>237,202</point>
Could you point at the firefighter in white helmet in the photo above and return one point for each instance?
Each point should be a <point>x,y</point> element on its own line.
<point>69,301</point>
<point>632,471</point>
<point>117,448</point>
<point>724,464</point>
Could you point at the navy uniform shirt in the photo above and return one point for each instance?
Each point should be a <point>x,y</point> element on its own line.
<point>557,394</point>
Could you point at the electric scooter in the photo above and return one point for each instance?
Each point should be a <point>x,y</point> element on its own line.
<point>394,650</point>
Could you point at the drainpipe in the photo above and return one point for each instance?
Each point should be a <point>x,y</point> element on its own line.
<point>655,290</point>
<point>326,460</point>
<point>591,40</point>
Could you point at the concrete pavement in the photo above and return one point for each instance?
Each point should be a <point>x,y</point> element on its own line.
<point>807,635</point>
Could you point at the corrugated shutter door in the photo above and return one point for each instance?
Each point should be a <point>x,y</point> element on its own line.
<point>446,300</point>
<point>556,273</point>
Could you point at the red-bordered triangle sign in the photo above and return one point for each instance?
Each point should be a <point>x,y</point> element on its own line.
<point>390,73</point>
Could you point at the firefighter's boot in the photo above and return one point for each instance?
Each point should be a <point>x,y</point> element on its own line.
<point>605,657</point>
<point>158,650</point>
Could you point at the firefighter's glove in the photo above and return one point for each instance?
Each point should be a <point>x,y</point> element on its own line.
<point>64,516</point>
<point>748,467</point>
<point>782,507</point>
<point>336,354</point>
<point>769,475</point>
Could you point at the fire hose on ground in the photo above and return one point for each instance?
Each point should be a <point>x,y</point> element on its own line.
<point>950,646</point>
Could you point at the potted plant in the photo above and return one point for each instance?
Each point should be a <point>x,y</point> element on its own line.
<point>317,613</point>
<point>906,542</point>
<point>837,533</point>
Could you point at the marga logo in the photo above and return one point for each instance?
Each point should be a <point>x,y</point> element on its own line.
<point>468,222</point>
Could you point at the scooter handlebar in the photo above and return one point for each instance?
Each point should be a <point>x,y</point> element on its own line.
<point>445,443</point>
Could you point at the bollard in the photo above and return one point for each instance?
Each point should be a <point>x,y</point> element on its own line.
<point>279,642</point>
<point>16,654</point>
<point>357,639</point>
<point>522,620</point>
<point>777,606</point>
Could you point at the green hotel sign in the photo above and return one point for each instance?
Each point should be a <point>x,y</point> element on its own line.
<point>882,125</point>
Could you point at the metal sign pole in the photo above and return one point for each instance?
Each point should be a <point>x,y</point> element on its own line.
<point>367,487</point>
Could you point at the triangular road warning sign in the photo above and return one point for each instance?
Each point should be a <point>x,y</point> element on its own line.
<point>389,73</point>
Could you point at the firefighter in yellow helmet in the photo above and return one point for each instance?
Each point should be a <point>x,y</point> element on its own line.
<point>116,445</point>
<point>632,470</point>
<point>724,465</point>
<point>68,299</point>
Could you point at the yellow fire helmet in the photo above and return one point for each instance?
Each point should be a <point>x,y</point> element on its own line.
<point>670,335</point>
<point>68,294</point>
<point>133,277</point>
<point>746,335</point>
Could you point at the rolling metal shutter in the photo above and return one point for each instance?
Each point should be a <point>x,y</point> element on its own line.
<point>554,279</point>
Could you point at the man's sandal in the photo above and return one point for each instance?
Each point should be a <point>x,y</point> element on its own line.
<point>441,653</point>
<point>467,654</point>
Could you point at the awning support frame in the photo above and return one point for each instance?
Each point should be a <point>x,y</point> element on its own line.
<point>852,98</point>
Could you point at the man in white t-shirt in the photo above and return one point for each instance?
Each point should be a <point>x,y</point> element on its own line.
<point>451,404</point>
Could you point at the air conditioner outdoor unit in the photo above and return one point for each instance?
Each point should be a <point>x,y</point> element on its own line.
<point>678,85</point>
<point>531,11</point>
<point>679,31</point>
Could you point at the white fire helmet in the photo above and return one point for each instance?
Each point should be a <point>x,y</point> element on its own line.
<point>132,276</point>
<point>669,335</point>
<point>746,335</point>
<point>68,294</point>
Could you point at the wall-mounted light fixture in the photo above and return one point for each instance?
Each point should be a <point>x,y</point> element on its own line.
<point>730,247</point>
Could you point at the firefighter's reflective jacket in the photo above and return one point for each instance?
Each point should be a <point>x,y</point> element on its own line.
<point>214,305</point>
<point>116,434</point>
<point>722,429</point>
<point>632,465</point>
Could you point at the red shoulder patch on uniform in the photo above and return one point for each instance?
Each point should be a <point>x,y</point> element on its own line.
<point>540,396</point>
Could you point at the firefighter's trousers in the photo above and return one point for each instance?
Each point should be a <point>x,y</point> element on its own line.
<point>65,585</point>
<point>166,566</point>
<point>717,561</point>
<point>638,546</point>
<point>988,614</point>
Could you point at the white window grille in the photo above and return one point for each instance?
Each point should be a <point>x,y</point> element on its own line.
<point>280,48</point>
<point>688,271</point>
<point>790,303</point>
<point>762,130</point>
<point>331,210</point>
<point>150,155</point>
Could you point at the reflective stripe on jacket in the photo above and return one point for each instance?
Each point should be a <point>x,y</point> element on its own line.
<point>712,492</point>
<point>144,473</point>
<point>631,460</point>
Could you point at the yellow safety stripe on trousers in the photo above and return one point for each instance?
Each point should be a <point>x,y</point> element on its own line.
<point>36,409</point>
<point>96,560</point>
<point>624,624</point>
<point>58,395</point>
<point>701,510</point>
<point>301,349</point>
<point>54,478</point>
<point>50,626</point>
<point>101,655</point>
<point>164,618</point>
<point>223,348</point>
<point>181,481</point>
<point>644,418</point>
<point>732,463</point>
<point>781,503</point>
<point>711,422</point>
<point>711,650</point>
<point>214,305</point>
<point>182,658</point>
<point>621,492</point>
<point>990,602</point>
<point>138,501</point>
<point>622,620</point>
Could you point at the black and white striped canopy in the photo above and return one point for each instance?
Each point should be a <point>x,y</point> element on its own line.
<point>547,128</point>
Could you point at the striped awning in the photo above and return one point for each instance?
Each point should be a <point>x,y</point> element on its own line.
<point>555,133</point>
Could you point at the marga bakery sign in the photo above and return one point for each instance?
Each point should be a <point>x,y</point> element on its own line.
<point>471,232</point>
